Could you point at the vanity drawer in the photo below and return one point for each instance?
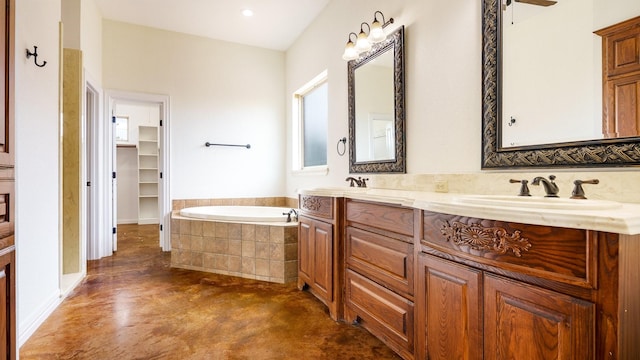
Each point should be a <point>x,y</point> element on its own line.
<point>317,206</point>
<point>385,314</point>
<point>385,217</point>
<point>559,254</point>
<point>381,258</point>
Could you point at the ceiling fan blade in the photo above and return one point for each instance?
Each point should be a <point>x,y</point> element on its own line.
<point>538,2</point>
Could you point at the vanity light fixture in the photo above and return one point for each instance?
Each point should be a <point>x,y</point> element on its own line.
<point>377,29</point>
<point>363,44</point>
<point>364,40</point>
<point>350,52</point>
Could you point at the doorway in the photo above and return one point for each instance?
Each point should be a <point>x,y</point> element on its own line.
<point>139,164</point>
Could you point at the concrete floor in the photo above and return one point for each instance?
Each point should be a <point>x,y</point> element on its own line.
<point>134,306</point>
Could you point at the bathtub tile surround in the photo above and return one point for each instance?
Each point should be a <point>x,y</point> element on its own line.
<point>180,204</point>
<point>615,185</point>
<point>254,251</point>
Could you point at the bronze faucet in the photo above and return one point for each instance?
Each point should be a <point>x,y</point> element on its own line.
<point>291,212</point>
<point>550,188</point>
<point>360,182</point>
<point>578,191</point>
<point>524,189</point>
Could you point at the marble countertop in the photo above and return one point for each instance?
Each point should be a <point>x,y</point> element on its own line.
<point>615,217</point>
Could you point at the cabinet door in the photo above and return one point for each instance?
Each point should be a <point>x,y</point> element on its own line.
<point>323,260</point>
<point>305,246</point>
<point>315,257</point>
<point>7,305</point>
<point>623,107</point>
<point>525,322</point>
<point>449,310</point>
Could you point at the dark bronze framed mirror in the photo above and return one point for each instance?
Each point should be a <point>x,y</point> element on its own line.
<point>604,152</point>
<point>376,108</point>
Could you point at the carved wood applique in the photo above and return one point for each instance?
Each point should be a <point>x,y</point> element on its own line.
<point>477,237</point>
<point>311,203</point>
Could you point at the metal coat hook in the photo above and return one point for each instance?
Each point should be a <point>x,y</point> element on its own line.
<point>35,56</point>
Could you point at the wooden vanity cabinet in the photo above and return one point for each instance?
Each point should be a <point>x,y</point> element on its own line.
<point>320,250</point>
<point>498,290</point>
<point>470,314</point>
<point>379,272</point>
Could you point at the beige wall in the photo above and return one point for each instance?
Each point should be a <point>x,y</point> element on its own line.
<point>38,174</point>
<point>219,92</point>
<point>443,50</point>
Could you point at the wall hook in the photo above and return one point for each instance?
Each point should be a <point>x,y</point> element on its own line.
<point>35,56</point>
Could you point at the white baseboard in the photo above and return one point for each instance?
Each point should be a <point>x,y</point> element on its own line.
<point>68,282</point>
<point>29,326</point>
<point>127,221</point>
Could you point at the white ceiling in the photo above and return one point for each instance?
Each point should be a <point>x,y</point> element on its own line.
<point>274,25</point>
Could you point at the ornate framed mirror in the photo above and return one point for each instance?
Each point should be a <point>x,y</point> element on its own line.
<point>604,152</point>
<point>376,108</point>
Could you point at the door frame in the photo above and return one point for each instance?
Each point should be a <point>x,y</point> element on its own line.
<point>164,195</point>
<point>91,218</point>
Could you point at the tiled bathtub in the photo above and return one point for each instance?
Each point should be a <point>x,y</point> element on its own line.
<point>262,251</point>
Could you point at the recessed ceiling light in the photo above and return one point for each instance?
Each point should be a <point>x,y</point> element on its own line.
<point>247,12</point>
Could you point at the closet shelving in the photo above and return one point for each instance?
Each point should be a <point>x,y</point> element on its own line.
<point>148,175</point>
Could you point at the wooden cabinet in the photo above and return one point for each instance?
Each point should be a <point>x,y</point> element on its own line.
<point>527,322</point>
<point>7,303</point>
<point>449,310</point>
<point>148,211</point>
<point>440,286</point>
<point>7,185</point>
<point>522,291</point>
<point>319,251</point>
<point>464,310</point>
<point>315,261</point>
<point>621,78</point>
<point>379,285</point>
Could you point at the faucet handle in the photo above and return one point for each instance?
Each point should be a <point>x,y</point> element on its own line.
<point>578,191</point>
<point>363,182</point>
<point>524,189</point>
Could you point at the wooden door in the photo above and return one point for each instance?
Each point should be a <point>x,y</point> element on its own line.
<point>449,310</point>
<point>526,322</point>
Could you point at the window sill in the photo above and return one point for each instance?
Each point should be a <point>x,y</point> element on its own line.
<point>311,171</point>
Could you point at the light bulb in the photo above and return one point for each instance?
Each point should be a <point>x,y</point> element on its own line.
<point>363,44</point>
<point>350,52</point>
<point>377,32</point>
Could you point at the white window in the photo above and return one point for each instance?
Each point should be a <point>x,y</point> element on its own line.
<point>122,128</point>
<point>310,122</point>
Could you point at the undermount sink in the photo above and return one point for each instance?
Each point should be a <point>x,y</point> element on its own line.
<point>534,202</point>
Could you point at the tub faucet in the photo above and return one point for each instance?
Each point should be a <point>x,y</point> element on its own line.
<point>550,188</point>
<point>291,212</point>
